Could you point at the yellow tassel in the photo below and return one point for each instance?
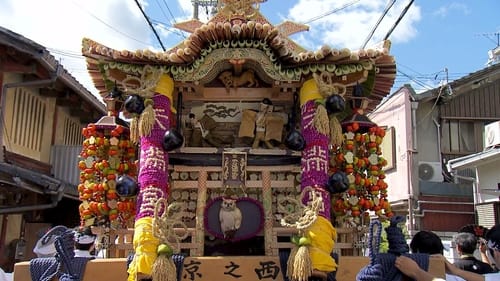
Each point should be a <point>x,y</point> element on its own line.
<point>164,269</point>
<point>134,130</point>
<point>147,119</point>
<point>336,136</point>
<point>321,122</point>
<point>291,260</point>
<point>302,268</point>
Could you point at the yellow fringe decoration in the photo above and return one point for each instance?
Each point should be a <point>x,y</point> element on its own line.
<point>336,136</point>
<point>321,122</point>
<point>302,267</point>
<point>164,269</point>
<point>134,130</point>
<point>147,118</point>
<point>291,260</point>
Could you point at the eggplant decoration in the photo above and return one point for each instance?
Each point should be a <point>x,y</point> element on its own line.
<point>134,104</point>
<point>334,104</point>
<point>337,182</point>
<point>116,93</point>
<point>126,186</point>
<point>173,139</point>
<point>294,140</point>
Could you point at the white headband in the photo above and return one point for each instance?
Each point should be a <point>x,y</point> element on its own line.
<point>85,239</point>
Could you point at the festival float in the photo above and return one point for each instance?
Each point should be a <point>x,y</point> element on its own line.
<point>244,156</point>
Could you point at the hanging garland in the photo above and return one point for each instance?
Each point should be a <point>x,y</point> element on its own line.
<point>106,156</point>
<point>359,157</point>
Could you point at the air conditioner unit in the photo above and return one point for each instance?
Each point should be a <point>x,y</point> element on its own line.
<point>430,171</point>
<point>492,134</point>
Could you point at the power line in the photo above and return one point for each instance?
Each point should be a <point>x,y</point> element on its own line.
<point>169,11</point>
<point>386,10</point>
<point>330,12</point>
<point>161,8</point>
<point>489,35</point>
<point>416,81</point>
<point>150,25</point>
<point>403,13</point>
<point>167,28</point>
<point>66,53</point>
<point>110,26</point>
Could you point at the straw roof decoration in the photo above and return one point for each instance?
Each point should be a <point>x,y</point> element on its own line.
<point>239,32</point>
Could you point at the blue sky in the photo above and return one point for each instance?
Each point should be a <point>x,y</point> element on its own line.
<point>434,35</point>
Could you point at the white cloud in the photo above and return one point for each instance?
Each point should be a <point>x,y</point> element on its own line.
<point>444,11</point>
<point>349,27</point>
<point>61,25</point>
<point>186,6</point>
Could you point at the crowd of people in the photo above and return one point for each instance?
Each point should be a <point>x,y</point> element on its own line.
<point>467,267</point>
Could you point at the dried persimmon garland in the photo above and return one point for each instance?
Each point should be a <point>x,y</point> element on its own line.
<point>106,155</point>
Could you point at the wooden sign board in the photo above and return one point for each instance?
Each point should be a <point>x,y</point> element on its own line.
<point>221,268</point>
<point>234,166</point>
<point>241,268</point>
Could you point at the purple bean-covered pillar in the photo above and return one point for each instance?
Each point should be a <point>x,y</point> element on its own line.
<point>153,179</point>
<point>315,165</point>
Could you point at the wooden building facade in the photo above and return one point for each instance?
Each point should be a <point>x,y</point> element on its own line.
<point>43,109</point>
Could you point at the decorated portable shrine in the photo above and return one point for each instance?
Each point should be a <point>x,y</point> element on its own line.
<point>248,147</point>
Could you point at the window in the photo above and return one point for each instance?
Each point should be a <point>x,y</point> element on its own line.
<point>28,118</point>
<point>72,132</point>
<point>461,136</point>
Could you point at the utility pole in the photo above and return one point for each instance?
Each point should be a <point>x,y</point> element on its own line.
<point>493,54</point>
<point>203,3</point>
<point>490,35</point>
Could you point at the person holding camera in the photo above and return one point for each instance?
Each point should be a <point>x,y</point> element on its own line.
<point>466,244</point>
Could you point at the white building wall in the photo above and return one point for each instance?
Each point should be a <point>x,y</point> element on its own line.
<point>489,178</point>
<point>396,112</point>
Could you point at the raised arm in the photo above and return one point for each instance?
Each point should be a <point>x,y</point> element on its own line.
<point>411,269</point>
<point>467,275</point>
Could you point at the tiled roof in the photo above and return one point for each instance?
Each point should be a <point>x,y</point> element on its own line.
<point>48,61</point>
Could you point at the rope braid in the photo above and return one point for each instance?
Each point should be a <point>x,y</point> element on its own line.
<point>299,265</point>
<point>327,87</point>
<point>165,219</point>
<point>305,216</point>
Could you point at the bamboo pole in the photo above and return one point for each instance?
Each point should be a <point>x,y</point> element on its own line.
<point>267,199</point>
<point>199,235</point>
